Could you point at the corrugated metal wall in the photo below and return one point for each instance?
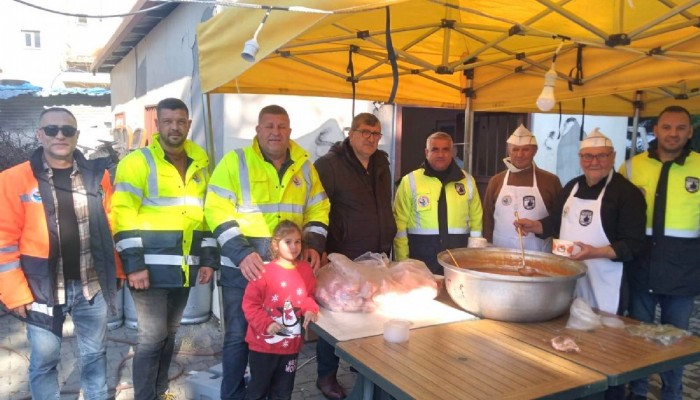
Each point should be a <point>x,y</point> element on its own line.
<point>21,113</point>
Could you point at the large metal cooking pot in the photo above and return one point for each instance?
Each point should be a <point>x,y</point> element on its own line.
<point>487,283</point>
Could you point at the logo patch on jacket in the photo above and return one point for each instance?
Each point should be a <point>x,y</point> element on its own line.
<point>36,196</point>
<point>691,184</point>
<point>585,218</point>
<point>296,181</point>
<point>423,201</point>
<point>529,202</point>
<point>506,200</point>
<point>459,187</point>
<point>32,197</point>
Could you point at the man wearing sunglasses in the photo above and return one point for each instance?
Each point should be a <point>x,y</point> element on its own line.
<point>162,239</point>
<point>56,254</point>
<point>604,214</point>
<point>357,180</point>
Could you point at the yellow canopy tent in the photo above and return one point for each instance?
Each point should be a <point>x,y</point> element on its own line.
<point>608,51</point>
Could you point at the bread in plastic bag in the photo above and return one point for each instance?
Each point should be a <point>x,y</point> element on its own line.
<point>371,281</point>
<point>582,317</point>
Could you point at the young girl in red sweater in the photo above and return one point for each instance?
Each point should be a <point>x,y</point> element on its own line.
<point>274,306</point>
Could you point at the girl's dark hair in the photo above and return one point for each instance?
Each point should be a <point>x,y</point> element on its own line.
<point>284,228</point>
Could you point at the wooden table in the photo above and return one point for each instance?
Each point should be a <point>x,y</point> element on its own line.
<point>457,361</point>
<point>612,352</point>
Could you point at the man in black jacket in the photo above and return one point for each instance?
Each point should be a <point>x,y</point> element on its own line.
<point>357,180</point>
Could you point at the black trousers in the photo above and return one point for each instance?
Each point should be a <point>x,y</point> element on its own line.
<point>271,375</point>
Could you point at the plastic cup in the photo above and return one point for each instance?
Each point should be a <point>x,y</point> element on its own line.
<point>396,330</point>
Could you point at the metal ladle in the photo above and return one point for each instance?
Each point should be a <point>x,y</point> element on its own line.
<point>524,270</point>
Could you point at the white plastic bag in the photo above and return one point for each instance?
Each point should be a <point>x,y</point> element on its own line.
<point>582,317</point>
<point>662,334</point>
<point>371,281</point>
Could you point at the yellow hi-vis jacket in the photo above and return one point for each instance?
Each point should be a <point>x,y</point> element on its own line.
<point>160,219</point>
<point>247,200</point>
<point>682,197</point>
<point>416,208</point>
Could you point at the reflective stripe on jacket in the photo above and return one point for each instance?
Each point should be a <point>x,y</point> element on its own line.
<point>682,199</point>
<point>247,200</point>
<point>160,219</point>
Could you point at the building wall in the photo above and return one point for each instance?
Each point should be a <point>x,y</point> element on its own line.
<point>62,38</point>
<point>164,64</point>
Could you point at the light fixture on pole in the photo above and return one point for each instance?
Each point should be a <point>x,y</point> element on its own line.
<point>546,100</point>
<point>250,48</point>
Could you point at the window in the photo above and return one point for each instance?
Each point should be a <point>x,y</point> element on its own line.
<point>32,39</point>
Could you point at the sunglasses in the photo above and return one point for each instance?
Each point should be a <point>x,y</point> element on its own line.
<point>52,130</point>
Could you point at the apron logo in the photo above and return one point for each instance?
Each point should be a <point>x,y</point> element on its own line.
<point>585,218</point>
<point>529,202</point>
<point>423,201</point>
<point>296,181</point>
<point>459,187</point>
<point>506,200</point>
<point>691,184</point>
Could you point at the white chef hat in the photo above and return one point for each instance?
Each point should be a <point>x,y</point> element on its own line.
<point>521,136</point>
<point>596,139</point>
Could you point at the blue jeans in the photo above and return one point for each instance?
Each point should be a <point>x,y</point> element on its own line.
<point>158,314</point>
<point>235,351</point>
<point>675,310</point>
<point>90,321</point>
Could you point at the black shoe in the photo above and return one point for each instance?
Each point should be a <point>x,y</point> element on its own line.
<point>330,387</point>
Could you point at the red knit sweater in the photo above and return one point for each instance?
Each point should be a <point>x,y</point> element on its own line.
<point>282,295</point>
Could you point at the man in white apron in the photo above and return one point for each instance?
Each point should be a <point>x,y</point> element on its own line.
<point>605,215</point>
<point>522,187</point>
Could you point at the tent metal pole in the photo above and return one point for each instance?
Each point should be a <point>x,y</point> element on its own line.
<point>653,23</point>
<point>635,122</point>
<point>209,136</point>
<point>574,18</point>
<point>469,135</point>
<point>209,132</point>
<point>467,151</point>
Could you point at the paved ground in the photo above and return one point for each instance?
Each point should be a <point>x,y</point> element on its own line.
<point>199,349</point>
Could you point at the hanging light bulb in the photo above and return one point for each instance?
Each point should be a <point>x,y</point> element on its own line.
<point>250,48</point>
<point>546,100</point>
